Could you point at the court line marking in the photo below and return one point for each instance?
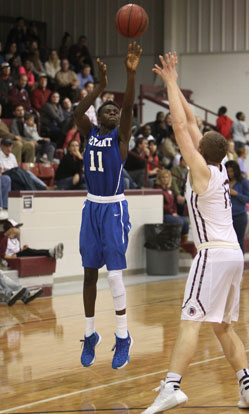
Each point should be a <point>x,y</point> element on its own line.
<point>70,394</point>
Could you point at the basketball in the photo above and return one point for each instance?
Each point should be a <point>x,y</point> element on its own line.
<point>131,21</point>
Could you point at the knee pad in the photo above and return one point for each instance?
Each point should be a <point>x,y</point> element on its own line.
<point>117,289</point>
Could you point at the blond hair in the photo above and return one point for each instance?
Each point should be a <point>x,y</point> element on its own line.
<point>161,173</point>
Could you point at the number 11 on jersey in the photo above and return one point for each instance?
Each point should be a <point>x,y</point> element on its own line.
<point>100,165</point>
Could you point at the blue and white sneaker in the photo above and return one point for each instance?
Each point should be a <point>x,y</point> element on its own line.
<point>88,353</point>
<point>122,347</point>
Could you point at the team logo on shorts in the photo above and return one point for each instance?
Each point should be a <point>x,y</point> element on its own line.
<point>192,311</point>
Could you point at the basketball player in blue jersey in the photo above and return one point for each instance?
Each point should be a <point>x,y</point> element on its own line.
<point>105,219</point>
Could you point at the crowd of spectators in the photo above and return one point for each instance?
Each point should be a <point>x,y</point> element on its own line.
<point>39,89</point>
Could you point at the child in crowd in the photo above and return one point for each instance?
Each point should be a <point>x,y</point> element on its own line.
<point>45,148</point>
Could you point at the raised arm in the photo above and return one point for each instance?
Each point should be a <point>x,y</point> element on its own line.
<point>82,121</point>
<point>198,167</point>
<point>131,64</point>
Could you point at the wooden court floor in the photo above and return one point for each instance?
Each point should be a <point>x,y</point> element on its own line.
<point>40,370</point>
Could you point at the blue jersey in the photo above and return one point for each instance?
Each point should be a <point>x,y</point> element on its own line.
<point>103,165</point>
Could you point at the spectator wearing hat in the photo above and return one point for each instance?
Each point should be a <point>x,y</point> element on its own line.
<point>18,94</point>
<point>10,246</point>
<point>11,291</point>
<point>25,149</point>
<point>6,83</point>
<point>40,95</point>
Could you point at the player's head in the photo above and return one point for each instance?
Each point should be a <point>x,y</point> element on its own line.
<point>213,147</point>
<point>109,114</point>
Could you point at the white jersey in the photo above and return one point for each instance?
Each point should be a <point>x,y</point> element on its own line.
<point>211,212</point>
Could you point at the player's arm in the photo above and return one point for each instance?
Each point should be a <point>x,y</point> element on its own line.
<point>131,64</point>
<point>82,121</point>
<point>200,172</point>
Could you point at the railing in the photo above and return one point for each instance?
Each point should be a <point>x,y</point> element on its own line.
<point>158,95</point>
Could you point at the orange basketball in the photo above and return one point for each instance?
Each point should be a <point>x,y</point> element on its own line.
<point>131,21</point>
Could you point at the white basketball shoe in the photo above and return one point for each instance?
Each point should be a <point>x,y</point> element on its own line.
<point>244,394</point>
<point>167,399</point>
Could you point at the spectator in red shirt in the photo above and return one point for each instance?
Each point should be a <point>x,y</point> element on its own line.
<point>26,69</point>
<point>18,95</point>
<point>40,95</point>
<point>224,123</point>
<point>163,181</point>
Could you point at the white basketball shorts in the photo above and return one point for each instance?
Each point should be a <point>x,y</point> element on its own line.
<point>212,291</point>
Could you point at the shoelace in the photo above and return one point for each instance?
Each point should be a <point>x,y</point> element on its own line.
<point>87,343</point>
<point>118,347</point>
<point>161,386</point>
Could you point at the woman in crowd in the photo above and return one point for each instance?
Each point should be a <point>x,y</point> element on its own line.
<point>239,190</point>
<point>69,175</point>
<point>52,117</point>
<point>163,181</point>
<point>52,66</point>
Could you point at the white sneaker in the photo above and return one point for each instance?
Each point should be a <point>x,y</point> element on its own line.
<point>244,394</point>
<point>167,399</point>
<point>3,214</point>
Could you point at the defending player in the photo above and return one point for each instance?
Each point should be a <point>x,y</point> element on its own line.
<point>105,219</point>
<point>213,286</point>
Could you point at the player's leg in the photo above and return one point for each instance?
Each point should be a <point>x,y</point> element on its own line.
<point>184,349</point>
<point>91,337</point>
<point>115,229</point>
<point>234,351</point>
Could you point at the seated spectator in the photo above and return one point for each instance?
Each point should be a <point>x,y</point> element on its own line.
<point>34,56</point>
<point>136,161</point>
<point>239,191</point>
<point>14,69</point>
<point>40,95</point>
<point>11,51</point>
<point>224,123</point>
<point>20,179</point>
<point>163,181</point>
<point>85,76</point>
<point>168,124</point>
<point>107,96</point>
<point>11,290</point>
<point>152,162</point>
<point>72,134</point>
<point>65,46</point>
<point>45,149</point>
<point>6,83</point>
<point>26,69</point>
<point>52,66</point>
<point>79,54</point>
<point>23,149</point>
<point>91,112</point>
<point>66,81</point>
<point>69,175</point>
<point>5,187</point>
<point>18,94</point>
<point>17,140</point>
<point>1,54</point>
<point>52,117</point>
<point>145,131</point>
<point>10,246</point>
<point>239,130</point>
<point>231,154</point>
<point>242,154</point>
<point>158,128</point>
<point>89,86</point>
<point>179,176</point>
<point>129,184</point>
<point>169,150</point>
<point>18,34</point>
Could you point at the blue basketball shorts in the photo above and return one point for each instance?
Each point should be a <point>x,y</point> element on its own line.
<point>104,234</point>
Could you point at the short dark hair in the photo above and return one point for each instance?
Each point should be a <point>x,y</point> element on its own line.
<point>241,151</point>
<point>236,169</point>
<point>213,147</point>
<point>139,141</point>
<point>107,103</point>
<point>6,142</point>
<point>238,115</point>
<point>222,110</point>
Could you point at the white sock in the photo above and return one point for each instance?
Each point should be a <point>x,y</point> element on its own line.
<point>242,373</point>
<point>121,326</point>
<point>90,326</point>
<point>174,379</point>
